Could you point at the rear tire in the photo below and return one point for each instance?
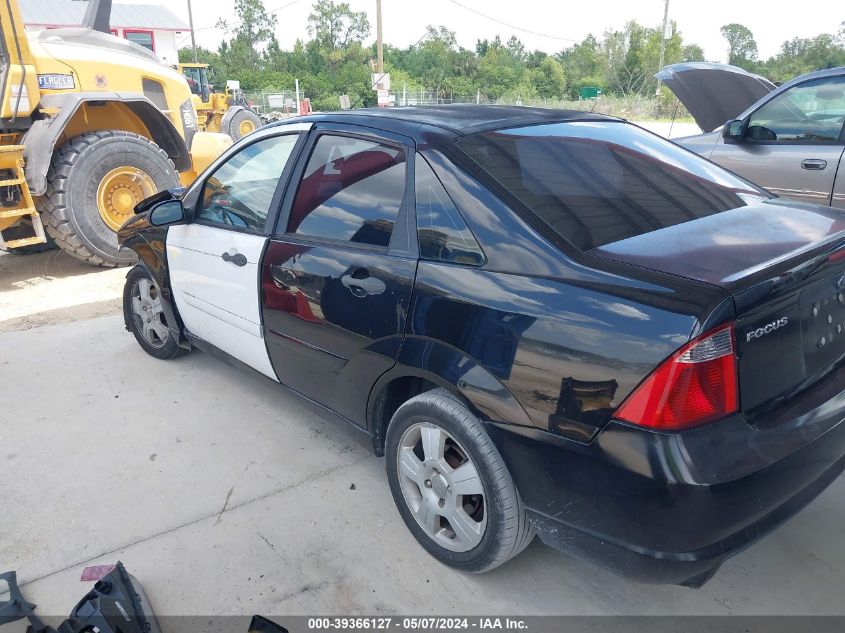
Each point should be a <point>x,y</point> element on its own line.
<point>144,317</point>
<point>243,122</point>
<point>79,169</point>
<point>479,521</point>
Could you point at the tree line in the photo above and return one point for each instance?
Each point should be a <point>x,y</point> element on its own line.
<point>338,56</point>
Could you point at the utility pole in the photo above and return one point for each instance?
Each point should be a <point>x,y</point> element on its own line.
<point>379,41</point>
<point>663,40</point>
<point>191,24</point>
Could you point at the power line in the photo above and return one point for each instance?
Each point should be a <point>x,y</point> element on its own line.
<point>511,26</point>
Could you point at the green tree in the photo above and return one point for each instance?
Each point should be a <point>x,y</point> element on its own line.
<point>204,56</point>
<point>335,26</point>
<point>584,64</point>
<point>629,70</point>
<point>742,48</point>
<point>252,31</point>
<point>803,55</point>
<point>501,70</point>
<point>432,61</point>
<point>549,79</point>
<point>692,53</point>
<point>333,60</point>
<point>338,34</point>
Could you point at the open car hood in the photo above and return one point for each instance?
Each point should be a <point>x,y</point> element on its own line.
<point>714,93</point>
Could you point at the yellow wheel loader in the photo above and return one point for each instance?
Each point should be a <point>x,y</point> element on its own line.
<point>90,124</point>
<point>226,112</point>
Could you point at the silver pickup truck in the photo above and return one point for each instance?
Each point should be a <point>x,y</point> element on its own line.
<point>788,139</point>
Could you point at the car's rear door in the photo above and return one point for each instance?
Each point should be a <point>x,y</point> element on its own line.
<point>793,143</point>
<point>214,260</point>
<point>338,274</point>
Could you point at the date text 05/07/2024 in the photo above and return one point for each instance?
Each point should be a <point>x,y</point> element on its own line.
<point>425,623</point>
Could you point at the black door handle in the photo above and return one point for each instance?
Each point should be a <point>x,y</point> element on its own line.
<point>237,259</point>
<point>361,284</point>
<point>813,163</point>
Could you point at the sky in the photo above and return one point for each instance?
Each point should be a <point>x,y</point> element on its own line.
<point>548,26</point>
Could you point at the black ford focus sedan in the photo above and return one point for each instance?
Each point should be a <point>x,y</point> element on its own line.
<point>549,322</point>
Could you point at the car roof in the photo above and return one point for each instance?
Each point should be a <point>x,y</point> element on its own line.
<point>456,119</point>
<point>826,72</point>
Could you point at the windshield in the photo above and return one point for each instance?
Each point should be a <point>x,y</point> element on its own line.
<point>597,182</point>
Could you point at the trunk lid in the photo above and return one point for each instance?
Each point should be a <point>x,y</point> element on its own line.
<point>784,265</point>
<point>714,93</point>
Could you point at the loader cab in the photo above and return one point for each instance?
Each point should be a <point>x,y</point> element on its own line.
<point>197,77</point>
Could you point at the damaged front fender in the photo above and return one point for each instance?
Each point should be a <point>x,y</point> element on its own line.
<point>149,242</point>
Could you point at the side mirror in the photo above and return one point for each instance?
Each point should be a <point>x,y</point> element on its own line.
<point>732,131</point>
<point>162,196</point>
<point>167,212</point>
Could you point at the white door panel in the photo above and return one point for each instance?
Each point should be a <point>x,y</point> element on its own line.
<point>218,300</point>
<point>227,317</point>
<point>246,347</point>
<point>204,273</point>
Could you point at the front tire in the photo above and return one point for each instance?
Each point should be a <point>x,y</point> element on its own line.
<point>451,486</point>
<point>144,316</point>
<point>243,122</point>
<point>93,184</point>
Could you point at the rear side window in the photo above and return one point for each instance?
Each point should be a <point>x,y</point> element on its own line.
<point>595,183</point>
<point>352,190</point>
<point>441,230</point>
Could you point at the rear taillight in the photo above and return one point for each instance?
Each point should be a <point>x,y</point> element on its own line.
<point>697,384</point>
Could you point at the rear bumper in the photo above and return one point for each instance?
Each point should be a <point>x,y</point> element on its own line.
<point>670,508</point>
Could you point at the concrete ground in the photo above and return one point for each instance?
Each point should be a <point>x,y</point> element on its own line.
<point>225,495</point>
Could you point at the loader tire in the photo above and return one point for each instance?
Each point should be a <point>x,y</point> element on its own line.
<point>242,123</point>
<point>93,184</point>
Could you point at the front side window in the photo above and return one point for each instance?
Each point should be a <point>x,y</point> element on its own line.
<point>812,112</point>
<point>352,190</point>
<point>239,193</point>
<point>597,182</point>
<point>442,233</point>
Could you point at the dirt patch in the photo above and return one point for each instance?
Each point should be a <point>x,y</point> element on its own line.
<point>53,287</point>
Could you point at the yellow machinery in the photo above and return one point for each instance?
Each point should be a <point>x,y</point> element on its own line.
<point>226,112</point>
<point>90,124</point>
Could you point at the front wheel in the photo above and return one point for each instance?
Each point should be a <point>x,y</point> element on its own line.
<point>144,316</point>
<point>243,123</point>
<point>451,486</point>
<point>93,184</point>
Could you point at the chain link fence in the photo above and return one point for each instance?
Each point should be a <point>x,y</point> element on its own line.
<point>278,104</point>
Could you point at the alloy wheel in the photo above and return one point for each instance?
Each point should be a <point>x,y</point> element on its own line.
<point>148,313</point>
<point>442,487</point>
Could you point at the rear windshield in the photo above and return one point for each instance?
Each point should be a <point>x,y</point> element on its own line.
<point>598,182</point>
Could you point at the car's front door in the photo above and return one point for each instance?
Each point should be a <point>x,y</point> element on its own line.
<point>214,260</point>
<point>337,278</point>
<point>793,143</point>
